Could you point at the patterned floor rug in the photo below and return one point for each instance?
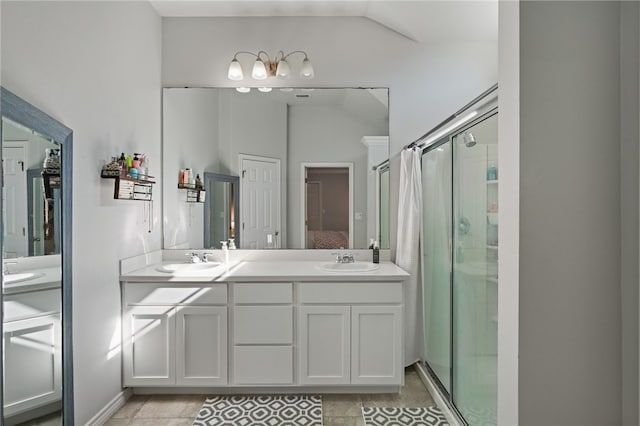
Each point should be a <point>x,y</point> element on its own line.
<point>261,410</point>
<point>393,416</point>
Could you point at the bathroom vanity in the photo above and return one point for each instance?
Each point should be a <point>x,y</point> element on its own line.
<point>32,335</point>
<point>250,325</point>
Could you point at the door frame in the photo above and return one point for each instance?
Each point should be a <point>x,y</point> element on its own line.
<point>276,161</point>
<point>303,195</point>
<point>24,144</point>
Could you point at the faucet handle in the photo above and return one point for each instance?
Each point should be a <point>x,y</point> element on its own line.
<point>205,257</point>
<point>193,257</point>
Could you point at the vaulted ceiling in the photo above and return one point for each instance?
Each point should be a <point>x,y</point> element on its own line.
<point>419,20</point>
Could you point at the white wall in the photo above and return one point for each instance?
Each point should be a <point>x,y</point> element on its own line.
<point>427,81</point>
<point>570,209</point>
<point>509,210</point>
<point>189,139</point>
<point>95,66</point>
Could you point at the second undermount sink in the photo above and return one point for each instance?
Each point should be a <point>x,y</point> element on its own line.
<point>187,267</point>
<point>349,267</point>
<point>20,277</point>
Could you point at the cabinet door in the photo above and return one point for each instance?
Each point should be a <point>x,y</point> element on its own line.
<point>376,345</point>
<point>32,363</point>
<point>324,335</point>
<point>148,345</point>
<point>201,345</point>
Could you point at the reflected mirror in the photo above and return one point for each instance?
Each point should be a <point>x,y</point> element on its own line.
<point>270,141</point>
<point>33,246</point>
<point>221,209</point>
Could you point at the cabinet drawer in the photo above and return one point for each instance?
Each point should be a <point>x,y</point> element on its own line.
<point>350,292</point>
<point>268,365</point>
<point>31,304</point>
<point>175,294</point>
<point>257,293</point>
<point>263,324</point>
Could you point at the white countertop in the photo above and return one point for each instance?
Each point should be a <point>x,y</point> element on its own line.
<point>268,271</point>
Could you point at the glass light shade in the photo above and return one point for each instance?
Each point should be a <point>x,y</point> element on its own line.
<point>283,70</point>
<point>235,71</point>
<point>243,89</point>
<point>259,70</point>
<point>265,89</point>
<point>307,70</point>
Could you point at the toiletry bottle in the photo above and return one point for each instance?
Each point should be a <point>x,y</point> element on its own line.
<point>181,177</point>
<point>123,164</point>
<point>186,177</point>
<point>376,252</point>
<point>192,179</point>
<point>135,163</point>
<point>492,172</point>
<point>225,250</point>
<point>198,182</point>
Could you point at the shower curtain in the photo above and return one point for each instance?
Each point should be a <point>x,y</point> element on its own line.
<point>408,249</point>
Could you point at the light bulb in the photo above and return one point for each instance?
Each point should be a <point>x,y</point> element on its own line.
<point>243,89</point>
<point>235,71</point>
<point>259,70</point>
<point>264,89</point>
<point>307,70</point>
<point>283,70</point>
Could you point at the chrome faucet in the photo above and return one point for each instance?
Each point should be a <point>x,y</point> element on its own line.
<point>344,258</point>
<point>194,258</point>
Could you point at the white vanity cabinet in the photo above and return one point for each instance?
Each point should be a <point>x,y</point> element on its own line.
<point>350,333</point>
<point>32,350</point>
<point>174,334</point>
<point>262,333</point>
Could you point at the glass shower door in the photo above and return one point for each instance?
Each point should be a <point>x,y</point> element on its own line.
<point>475,266</point>
<point>436,187</point>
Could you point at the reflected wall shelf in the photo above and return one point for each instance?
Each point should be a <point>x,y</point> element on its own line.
<point>128,188</point>
<point>194,194</point>
<point>50,180</point>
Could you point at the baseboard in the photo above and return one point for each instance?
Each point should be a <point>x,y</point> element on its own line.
<point>110,409</point>
<point>440,401</point>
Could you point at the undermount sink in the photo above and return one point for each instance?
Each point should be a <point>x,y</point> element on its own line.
<point>349,267</point>
<point>186,267</point>
<point>22,276</point>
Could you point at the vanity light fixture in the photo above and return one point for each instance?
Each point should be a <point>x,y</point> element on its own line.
<point>264,67</point>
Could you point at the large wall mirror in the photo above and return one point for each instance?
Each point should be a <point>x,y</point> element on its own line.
<point>36,261</point>
<point>310,166</point>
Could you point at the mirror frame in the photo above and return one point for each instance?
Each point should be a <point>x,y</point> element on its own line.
<point>209,179</point>
<point>22,112</point>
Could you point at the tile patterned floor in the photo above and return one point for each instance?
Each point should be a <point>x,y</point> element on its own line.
<point>338,409</point>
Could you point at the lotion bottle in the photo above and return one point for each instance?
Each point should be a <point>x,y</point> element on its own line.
<point>225,250</point>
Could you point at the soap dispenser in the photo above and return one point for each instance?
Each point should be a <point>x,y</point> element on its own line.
<point>376,252</point>
<point>225,250</point>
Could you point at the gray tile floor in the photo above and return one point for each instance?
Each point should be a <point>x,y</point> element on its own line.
<point>338,409</point>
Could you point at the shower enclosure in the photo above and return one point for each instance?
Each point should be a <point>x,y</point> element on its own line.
<point>460,259</point>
